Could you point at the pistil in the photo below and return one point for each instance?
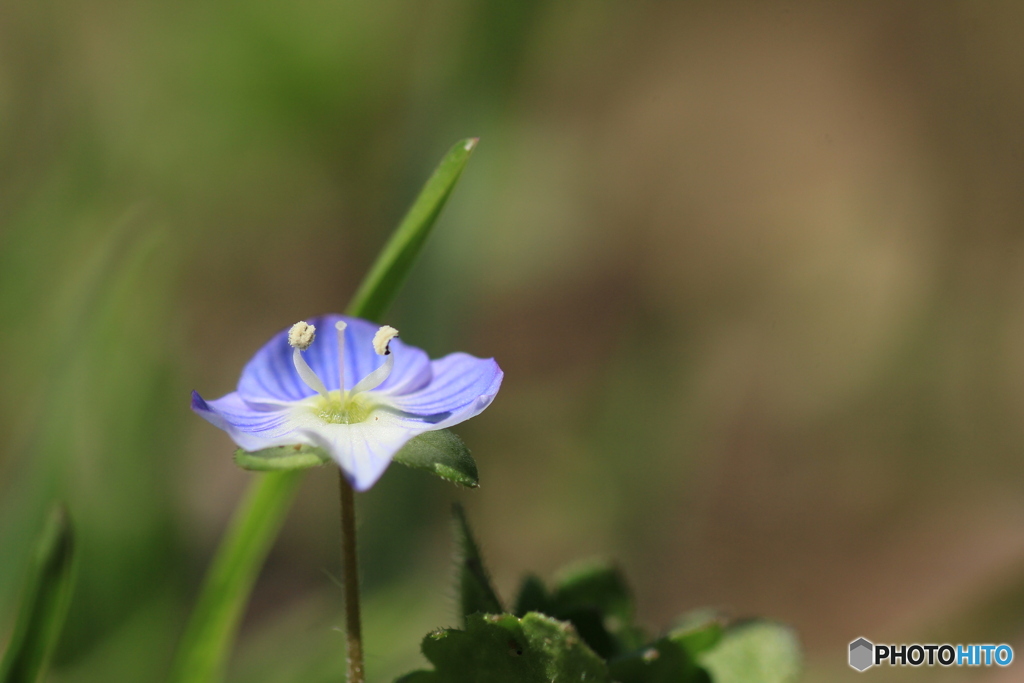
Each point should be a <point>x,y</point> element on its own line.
<point>340,327</point>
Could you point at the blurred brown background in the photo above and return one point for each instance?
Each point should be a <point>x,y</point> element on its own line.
<point>754,272</point>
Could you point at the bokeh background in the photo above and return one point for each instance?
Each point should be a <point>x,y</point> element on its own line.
<point>754,271</point>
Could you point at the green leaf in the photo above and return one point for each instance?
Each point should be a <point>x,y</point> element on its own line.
<point>662,662</point>
<point>595,584</point>
<point>506,649</point>
<point>202,654</point>
<point>44,604</point>
<point>441,452</point>
<point>698,631</point>
<point>381,285</point>
<point>281,458</point>
<point>593,596</point>
<point>533,597</point>
<point>754,652</point>
<point>476,594</point>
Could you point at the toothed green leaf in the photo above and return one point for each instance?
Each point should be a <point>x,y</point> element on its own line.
<point>533,597</point>
<point>506,649</point>
<point>598,585</point>
<point>664,661</point>
<point>593,596</point>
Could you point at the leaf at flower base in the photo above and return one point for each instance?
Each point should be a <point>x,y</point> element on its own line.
<point>754,652</point>
<point>441,453</point>
<point>664,661</point>
<point>476,594</point>
<point>44,603</point>
<point>502,648</point>
<point>381,284</point>
<point>281,458</point>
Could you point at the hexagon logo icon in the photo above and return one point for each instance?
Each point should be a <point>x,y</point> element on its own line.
<point>862,654</point>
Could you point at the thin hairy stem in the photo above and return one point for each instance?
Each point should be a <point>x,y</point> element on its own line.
<point>350,567</point>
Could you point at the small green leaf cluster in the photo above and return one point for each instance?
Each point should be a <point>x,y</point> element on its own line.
<point>582,629</point>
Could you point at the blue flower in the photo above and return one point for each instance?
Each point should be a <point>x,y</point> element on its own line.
<point>351,389</point>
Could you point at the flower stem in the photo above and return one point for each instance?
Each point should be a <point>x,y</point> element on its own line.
<point>350,567</point>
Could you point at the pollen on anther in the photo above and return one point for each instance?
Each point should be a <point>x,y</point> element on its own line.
<point>383,337</point>
<point>301,335</point>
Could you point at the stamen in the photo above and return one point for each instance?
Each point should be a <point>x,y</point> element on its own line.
<point>381,342</point>
<point>383,338</point>
<point>301,337</point>
<point>340,327</point>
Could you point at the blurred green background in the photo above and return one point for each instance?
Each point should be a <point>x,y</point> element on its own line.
<point>754,272</point>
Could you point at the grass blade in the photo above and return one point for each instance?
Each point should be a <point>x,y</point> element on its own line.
<point>381,284</point>
<point>44,605</point>
<point>203,653</point>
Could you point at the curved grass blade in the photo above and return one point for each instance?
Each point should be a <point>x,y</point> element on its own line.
<point>382,283</point>
<point>203,652</point>
<point>442,453</point>
<point>202,655</point>
<point>44,605</point>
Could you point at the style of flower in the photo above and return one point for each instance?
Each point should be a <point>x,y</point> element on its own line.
<point>351,389</point>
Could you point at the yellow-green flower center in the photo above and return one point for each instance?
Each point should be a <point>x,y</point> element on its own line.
<point>342,408</point>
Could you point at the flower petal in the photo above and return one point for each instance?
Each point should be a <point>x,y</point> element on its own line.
<point>365,449</point>
<point>271,377</point>
<point>251,427</point>
<point>461,387</point>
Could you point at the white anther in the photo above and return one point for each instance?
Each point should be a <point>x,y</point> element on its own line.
<point>301,335</point>
<point>383,337</point>
<point>381,340</point>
